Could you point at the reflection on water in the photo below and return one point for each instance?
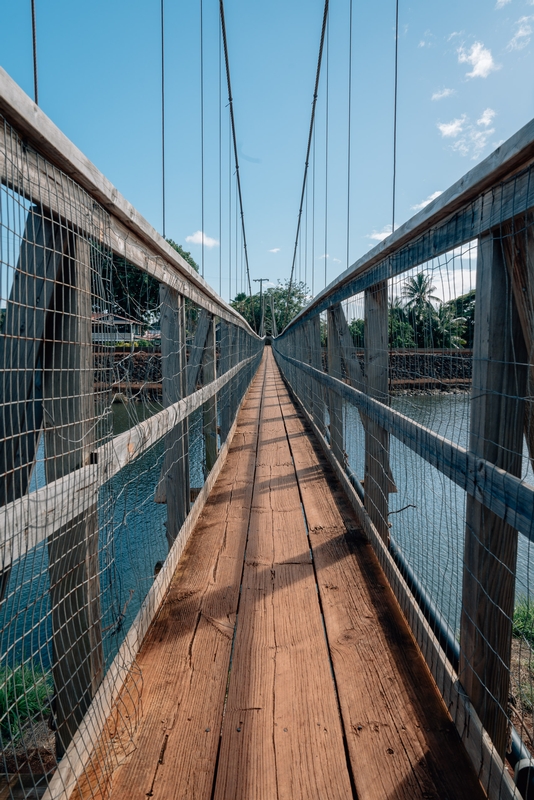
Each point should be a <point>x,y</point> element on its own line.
<point>430,528</point>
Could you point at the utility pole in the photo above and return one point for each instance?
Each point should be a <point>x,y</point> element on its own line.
<point>261,281</point>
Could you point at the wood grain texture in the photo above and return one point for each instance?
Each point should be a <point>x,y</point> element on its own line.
<point>281,736</point>
<point>400,738</point>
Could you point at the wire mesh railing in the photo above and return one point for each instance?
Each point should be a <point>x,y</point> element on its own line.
<point>414,370</point>
<point>121,374</point>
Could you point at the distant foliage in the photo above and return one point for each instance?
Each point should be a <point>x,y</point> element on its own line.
<point>25,694</point>
<point>286,303</point>
<point>418,318</point>
<point>523,623</point>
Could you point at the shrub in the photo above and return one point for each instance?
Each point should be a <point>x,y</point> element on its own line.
<point>25,693</point>
<point>523,623</point>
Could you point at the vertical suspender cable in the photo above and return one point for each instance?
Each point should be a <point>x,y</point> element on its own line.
<point>202,130</point>
<point>349,142</point>
<point>326,158</point>
<point>306,163</point>
<point>163,117</point>
<point>34,44</point>
<point>220,169</point>
<point>236,159</point>
<point>395,114</point>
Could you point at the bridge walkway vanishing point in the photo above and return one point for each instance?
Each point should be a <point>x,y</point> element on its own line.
<point>280,665</point>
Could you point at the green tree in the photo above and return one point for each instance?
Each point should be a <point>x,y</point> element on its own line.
<point>419,309</point>
<point>286,304</point>
<point>357,330</point>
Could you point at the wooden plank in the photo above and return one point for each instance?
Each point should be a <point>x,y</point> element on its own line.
<point>507,496</point>
<point>400,738</point>
<point>335,404</point>
<point>353,368</point>
<point>36,128</point>
<point>281,734</point>
<point>376,437</point>
<point>69,425</point>
<point>83,768</point>
<point>209,413</point>
<point>490,551</point>
<point>488,765</point>
<point>175,469</point>
<point>225,363</point>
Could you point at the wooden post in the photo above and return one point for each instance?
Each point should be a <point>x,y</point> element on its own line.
<point>376,438</point>
<point>225,362</point>
<point>173,363</point>
<point>317,393</point>
<point>196,353</point>
<point>69,425</point>
<point>496,434</point>
<point>518,247</point>
<point>335,404</point>
<point>209,414</point>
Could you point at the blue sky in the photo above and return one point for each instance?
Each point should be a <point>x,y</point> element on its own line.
<point>466,83</point>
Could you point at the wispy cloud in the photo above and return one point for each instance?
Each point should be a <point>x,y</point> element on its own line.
<point>502,3</point>
<point>480,59</point>
<point>487,117</point>
<point>336,260</point>
<point>324,255</point>
<point>452,129</point>
<point>419,206</point>
<point>200,238</point>
<point>275,250</point>
<point>522,35</point>
<point>428,39</point>
<point>469,139</point>
<point>379,236</point>
<point>443,93</point>
<point>453,35</point>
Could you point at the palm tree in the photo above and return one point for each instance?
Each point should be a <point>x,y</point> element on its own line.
<point>449,328</point>
<point>418,291</point>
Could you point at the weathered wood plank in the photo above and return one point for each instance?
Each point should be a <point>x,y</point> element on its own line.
<point>281,735</point>
<point>209,413</point>
<point>376,438</point>
<point>83,769</point>
<point>400,739</point>
<point>196,350</point>
<point>69,424</point>
<point>490,552</point>
<point>488,765</point>
<point>507,496</point>
<point>335,404</point>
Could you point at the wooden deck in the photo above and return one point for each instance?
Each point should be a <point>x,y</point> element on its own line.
<point>280,666</point>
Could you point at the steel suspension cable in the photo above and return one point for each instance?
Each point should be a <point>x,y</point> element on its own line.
<point>310,136</point>
<point>349,137</point>
<point>163,117</point>
<point>34,46</point>
<point>202,132</point>
<point>395,114</point>
<point>232,119</point>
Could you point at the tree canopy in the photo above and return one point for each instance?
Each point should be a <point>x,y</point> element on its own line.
<point>286,302</point>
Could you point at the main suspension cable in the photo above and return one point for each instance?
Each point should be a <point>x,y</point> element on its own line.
<point>395,115</point>
<point>34,45</point>
<point>231,105</point>
<point>163,117</point>
<point>310,135</point>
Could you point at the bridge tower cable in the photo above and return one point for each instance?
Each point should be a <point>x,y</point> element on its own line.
<point>236,159</point>
<point>202,135</point>
<point>349,133</point>
<point>308,149</point>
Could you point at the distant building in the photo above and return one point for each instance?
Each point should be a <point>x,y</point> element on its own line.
<point>108,327</point>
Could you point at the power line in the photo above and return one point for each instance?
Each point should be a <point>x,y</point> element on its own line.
<point>231,105</point>
<point>310,135</point>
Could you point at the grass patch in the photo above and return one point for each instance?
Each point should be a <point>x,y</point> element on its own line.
<point>523,622</point>
<point>25,693</point>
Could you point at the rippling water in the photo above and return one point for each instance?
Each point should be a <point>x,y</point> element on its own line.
<point>431,530</point>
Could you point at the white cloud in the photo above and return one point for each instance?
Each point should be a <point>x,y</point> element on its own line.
<point>502,3</point>
<point>200,238</point>
<point>379,236</point>
<point>336,260</point>
<point>419,206</point>
<point>469,140</point>
<point>453,35</point>
<point>486,118</point>
<point>275,250</point>
<point>325,255</point>
<point>522,35</point>
<point>480,59</point>
<point>452,129</point>
<point>443,93</point>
